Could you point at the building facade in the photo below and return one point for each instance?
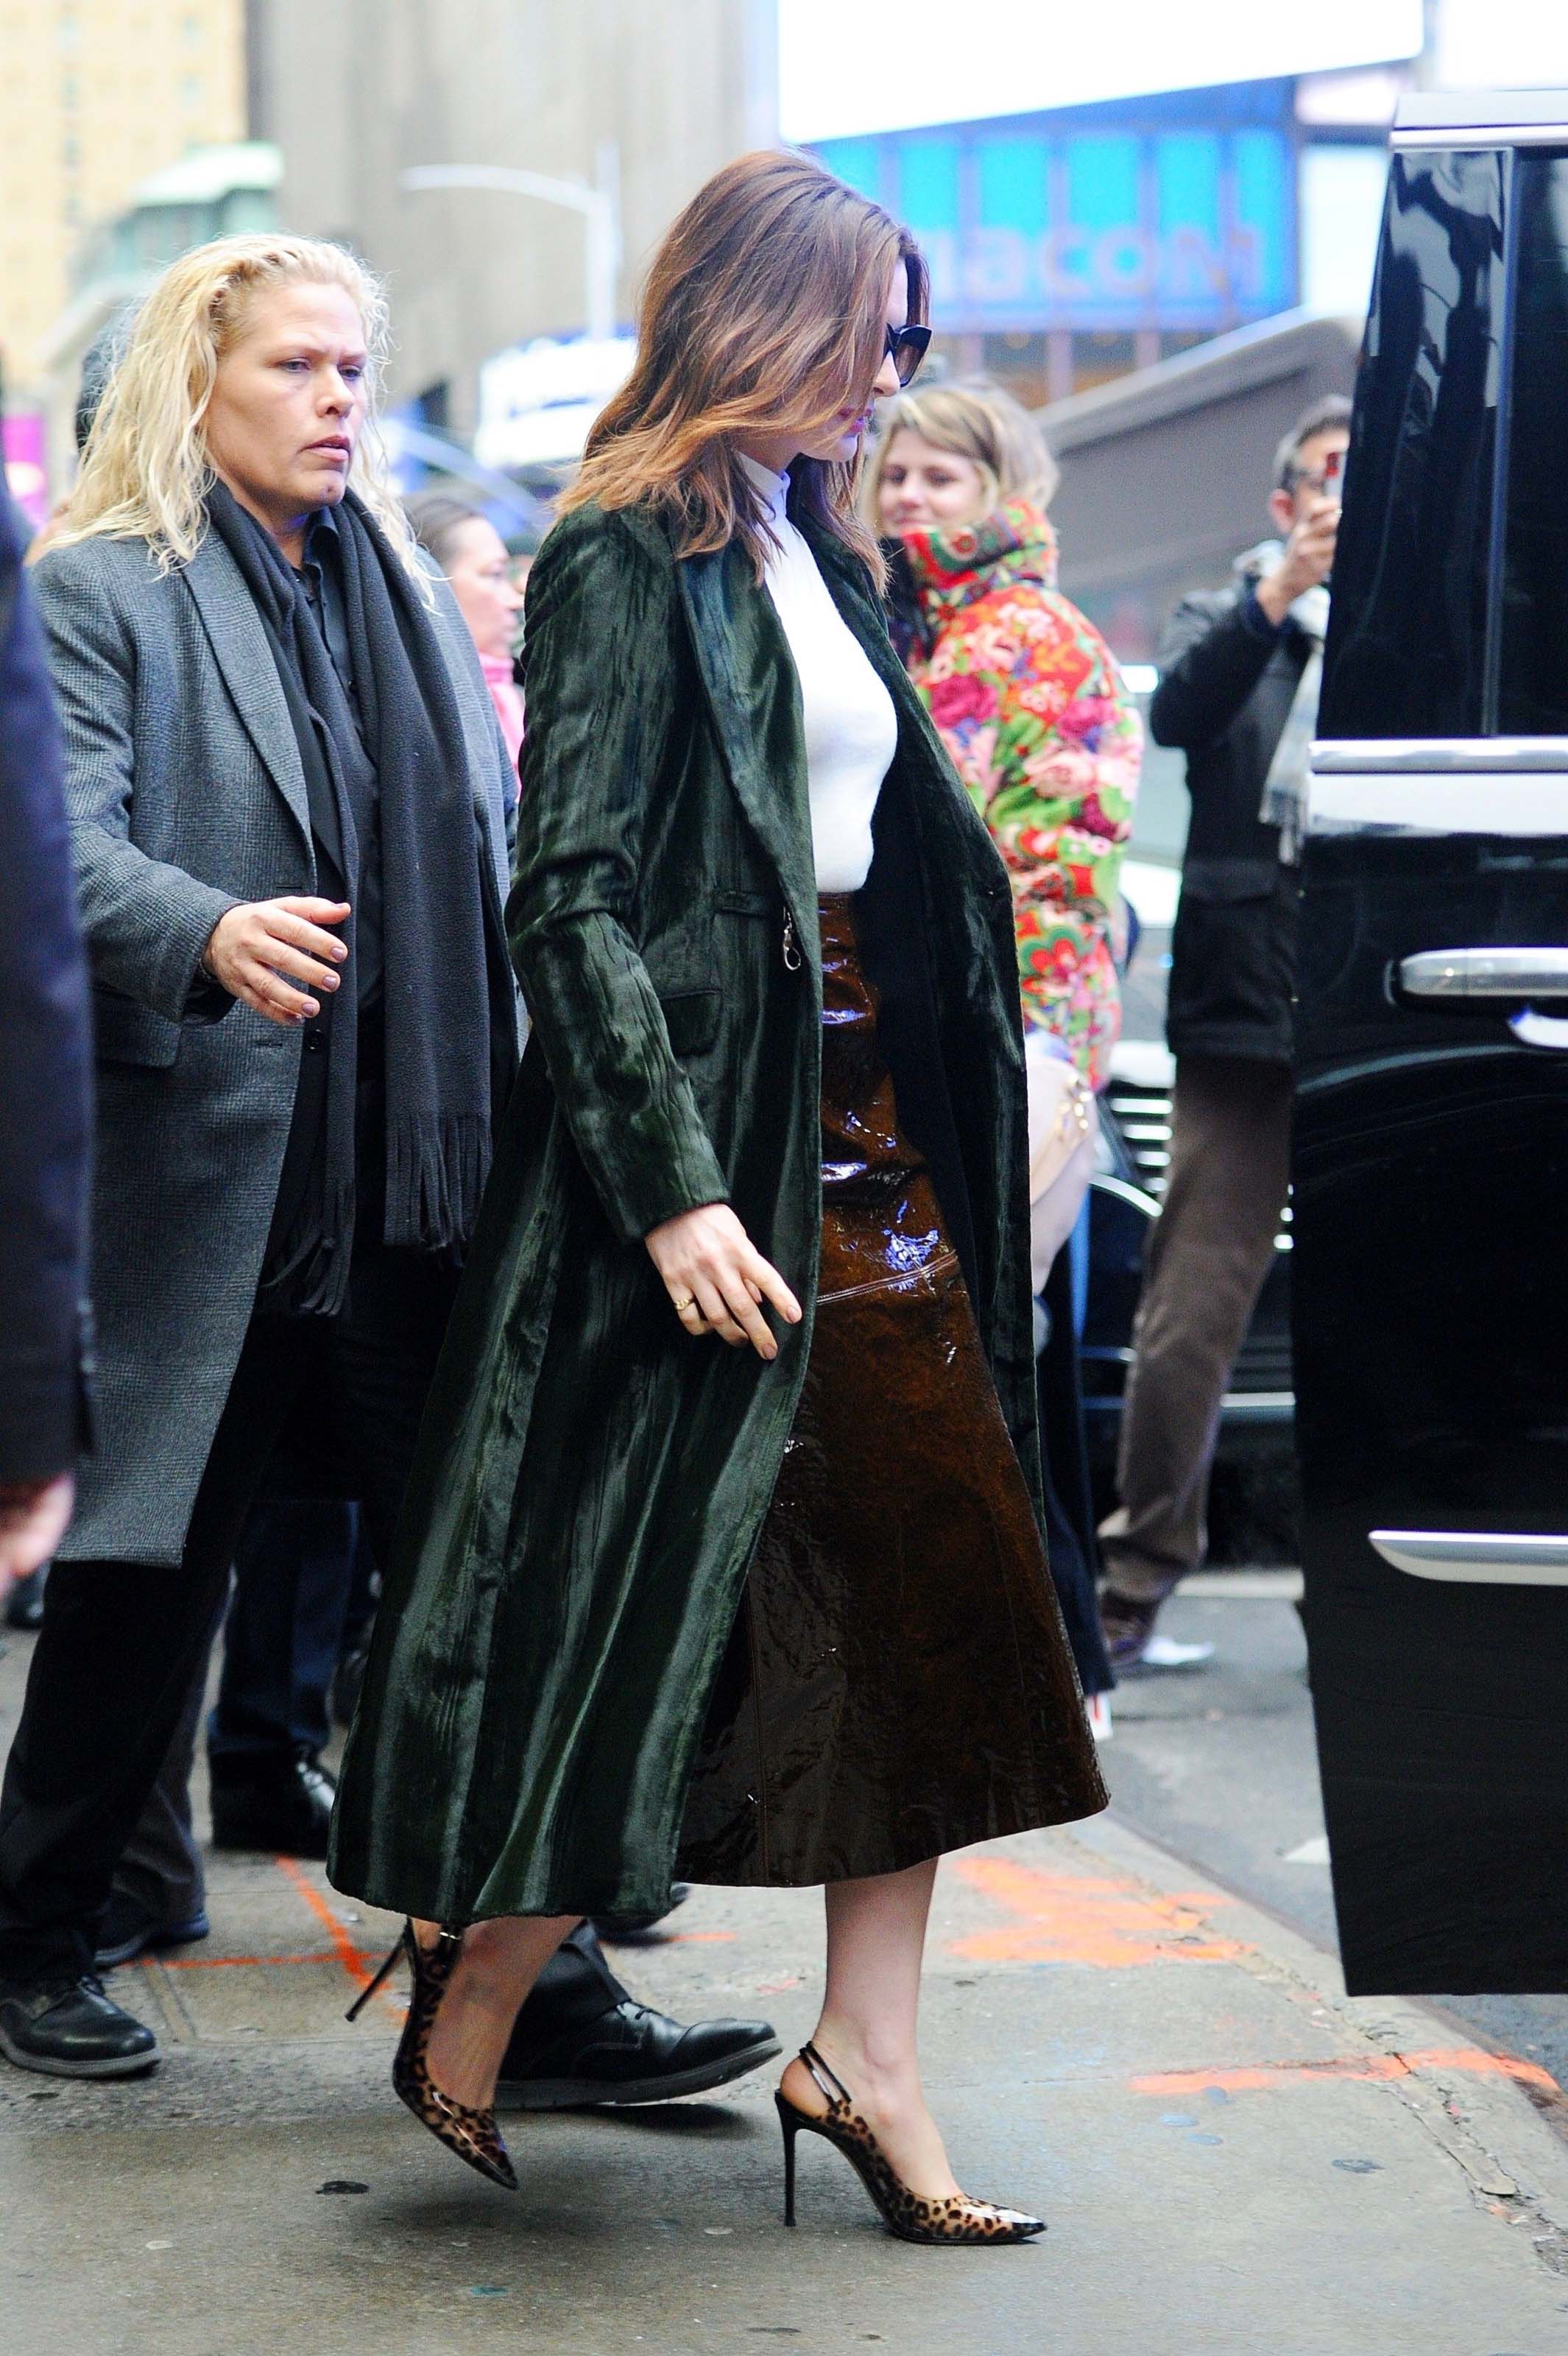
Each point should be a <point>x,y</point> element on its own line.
<point>1070,246</point>
<point>642,102</point>
<point>94,95</point>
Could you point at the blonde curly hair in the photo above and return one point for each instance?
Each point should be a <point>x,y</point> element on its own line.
<point>145,471</point>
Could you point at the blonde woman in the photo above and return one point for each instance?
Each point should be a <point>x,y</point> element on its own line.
<point>1024,692</point>
<point>1031,706</point>
<point>286,789</point>
<point>722,1553</point>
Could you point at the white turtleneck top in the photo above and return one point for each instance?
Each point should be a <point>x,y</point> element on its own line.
<point>851,729</point>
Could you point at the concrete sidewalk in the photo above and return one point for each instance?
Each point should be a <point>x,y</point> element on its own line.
<point>1232,2156</point>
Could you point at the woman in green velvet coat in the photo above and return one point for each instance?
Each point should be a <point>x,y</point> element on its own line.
<point>773,1612</point>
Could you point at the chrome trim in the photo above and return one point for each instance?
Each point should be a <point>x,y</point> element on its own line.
<point>1139,1197</point>
<point>1435,756</point>
<point>1452,111</point>
<point>1429,803</point>
<point>1473,138</point>
<point>1257,1407</point>
<point>1235,1407</point>
<point>1511,973</point>
<point>1476,1557</point>
<point>1533,1030</point>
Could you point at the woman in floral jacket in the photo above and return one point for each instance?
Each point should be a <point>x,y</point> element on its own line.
<point>1028,700</point>
<point>1024,692</point>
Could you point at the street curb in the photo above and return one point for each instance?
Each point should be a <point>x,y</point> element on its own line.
<point>1501,2121</point>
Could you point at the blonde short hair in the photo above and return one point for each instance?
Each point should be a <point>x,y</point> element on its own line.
<point>973,419</point>
<point>145,472</point>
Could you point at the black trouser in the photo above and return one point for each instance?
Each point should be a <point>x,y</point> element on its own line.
<point>293,1569</point>
<point>121,1642</point>
<point>293,1572</point>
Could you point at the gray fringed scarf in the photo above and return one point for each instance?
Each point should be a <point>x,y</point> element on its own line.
<point>441,1000</point>
<point>1285,789</point>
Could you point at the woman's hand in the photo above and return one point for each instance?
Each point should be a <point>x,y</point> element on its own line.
<point>33,1518</point>
<point>718,1280</point>
<point>252,946</point>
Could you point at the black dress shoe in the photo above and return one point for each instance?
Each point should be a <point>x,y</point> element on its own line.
<point>633,1926</point>
<point>25,1604</point>
<point>629,2054</point>
<point>69,2028</point>
<point>283,1807</point>
<point>129,1931</point>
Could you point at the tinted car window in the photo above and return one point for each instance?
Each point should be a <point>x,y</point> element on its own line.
<point>1533,667</point>
<point>1406,652</point>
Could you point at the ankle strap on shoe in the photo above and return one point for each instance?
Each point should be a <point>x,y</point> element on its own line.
<point>823,2077</point>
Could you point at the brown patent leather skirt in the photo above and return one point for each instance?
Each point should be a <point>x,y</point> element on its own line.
<point>897,1681</point>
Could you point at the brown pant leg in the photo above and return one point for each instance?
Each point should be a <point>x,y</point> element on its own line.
<point>1208,1252</point>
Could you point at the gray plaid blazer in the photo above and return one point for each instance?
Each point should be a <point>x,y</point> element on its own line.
<point>186,797</point>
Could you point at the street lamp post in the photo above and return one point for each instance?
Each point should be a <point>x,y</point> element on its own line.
<point>597,204</point>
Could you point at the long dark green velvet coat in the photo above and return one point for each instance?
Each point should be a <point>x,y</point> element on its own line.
<point>591,1481</point>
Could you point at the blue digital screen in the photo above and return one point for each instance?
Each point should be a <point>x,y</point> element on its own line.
<point>1150,223</point>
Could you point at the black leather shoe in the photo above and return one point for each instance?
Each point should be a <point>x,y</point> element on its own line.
<point>129,1931</point>
<point>629,2054</point>
<point>636,1926</point>
<point>25,1604</point>
<point>282,1807</point>
<point>69,2028</point>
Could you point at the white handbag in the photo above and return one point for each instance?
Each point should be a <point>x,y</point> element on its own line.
<point>1062,1134</point>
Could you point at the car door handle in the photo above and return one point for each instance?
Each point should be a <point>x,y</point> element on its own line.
<point>1476,1557</point>
<point>1514,974</point>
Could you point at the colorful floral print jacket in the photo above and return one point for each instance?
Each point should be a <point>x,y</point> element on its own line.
<point>1028,699</point>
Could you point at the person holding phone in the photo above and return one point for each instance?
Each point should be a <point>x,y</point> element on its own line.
<point>1239,670</point>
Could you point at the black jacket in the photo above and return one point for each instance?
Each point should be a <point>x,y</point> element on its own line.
<point>1226,686</point>
<point>45,1060</point>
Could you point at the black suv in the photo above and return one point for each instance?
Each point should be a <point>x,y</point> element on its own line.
<point>1431,1180</point>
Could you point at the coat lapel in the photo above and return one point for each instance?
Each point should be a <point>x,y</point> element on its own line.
<point>242,655</point>
<point>752,691</point>
<point>754,697</point>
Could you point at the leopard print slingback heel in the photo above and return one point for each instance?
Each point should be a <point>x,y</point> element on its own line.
<point>472,2135</point>
<point>953,2221</point>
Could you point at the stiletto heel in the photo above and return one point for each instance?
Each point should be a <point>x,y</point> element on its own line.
<point>789,2120</point>
<point>368,1990</point>
<point>953,2221</point>
<point>472,2135</point>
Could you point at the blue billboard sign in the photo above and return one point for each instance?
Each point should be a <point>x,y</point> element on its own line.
<point>1064,222</point>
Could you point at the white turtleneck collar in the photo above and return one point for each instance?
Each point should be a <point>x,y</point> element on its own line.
<point>851,729</point>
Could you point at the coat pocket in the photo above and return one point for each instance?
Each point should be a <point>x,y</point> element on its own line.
<point>126,1032</point>
<point>691,1018</point>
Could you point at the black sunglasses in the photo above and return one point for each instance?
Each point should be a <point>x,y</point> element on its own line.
<point>906,348</point>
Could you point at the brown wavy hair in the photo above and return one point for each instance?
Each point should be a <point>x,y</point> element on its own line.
<point>762,311</point>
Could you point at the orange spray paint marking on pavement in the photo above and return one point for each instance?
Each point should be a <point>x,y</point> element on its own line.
<point>1070,1917</point>
<point>235,1963</point>
<point>1267,2076</point>
<point>358,1965</point>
